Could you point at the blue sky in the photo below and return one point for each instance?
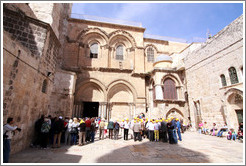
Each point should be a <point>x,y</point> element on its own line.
<point>189,21</point>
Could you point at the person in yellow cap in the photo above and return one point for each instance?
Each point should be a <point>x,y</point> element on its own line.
<point>126,129</point>
<point>122,127</point>
<point>82,133</point>
<point>136,130</point>
<point>151,130</point>
<point>163,130</point>
<point>178,129</point>
<point>174,128</point>
<point>156,130</point>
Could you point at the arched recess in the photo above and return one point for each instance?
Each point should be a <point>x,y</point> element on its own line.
<point>125,86</point>
<point>175,79</point>
<point>234,107</point>
<point>90,90</point>
<point>122,35</point>
<point>151,45</point>
<point>87,31</point>
<point>174,112</point>
<point>121,99</point>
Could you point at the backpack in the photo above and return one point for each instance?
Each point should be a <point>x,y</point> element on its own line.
<point>117,126</point>
<point>45,128</point>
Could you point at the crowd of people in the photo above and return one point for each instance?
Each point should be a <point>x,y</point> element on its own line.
<point>80,131</point>
<point>231,134</point>
<point>52,131</point>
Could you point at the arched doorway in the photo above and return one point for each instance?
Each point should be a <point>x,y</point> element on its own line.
<point>234,108</point>
<point>88,97</point>
<point>175,113</point>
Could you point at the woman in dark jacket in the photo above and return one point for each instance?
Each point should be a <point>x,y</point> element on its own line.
<point>111,128</point>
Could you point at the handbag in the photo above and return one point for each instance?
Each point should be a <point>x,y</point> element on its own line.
<point>74,130</point>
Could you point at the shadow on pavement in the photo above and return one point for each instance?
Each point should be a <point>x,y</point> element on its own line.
<point>153,152</point>
<point>57,155</point>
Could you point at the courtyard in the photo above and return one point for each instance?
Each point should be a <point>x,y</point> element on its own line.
<point>194,148</point>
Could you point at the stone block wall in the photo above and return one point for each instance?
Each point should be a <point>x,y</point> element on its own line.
<point>204,67</point>
<point>30,49</point>
<point>27,31</point>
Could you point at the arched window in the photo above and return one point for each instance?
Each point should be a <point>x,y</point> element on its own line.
<point>223,80</point>
<point>119,52</point>
<point>150,54</point>
<point>233,75</point>
<point>94,50</point>
<point>44,86</point>
<point>169,89</point>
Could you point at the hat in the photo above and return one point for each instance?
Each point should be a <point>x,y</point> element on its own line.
<point>123,120</point>
<point>135,118</point>
<point>82,121</point>
<point>60,117</point>
<point>127,119</point>
<point>177,118</point>
<point>134,121</point>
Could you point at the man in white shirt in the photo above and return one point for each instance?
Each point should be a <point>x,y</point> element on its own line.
<point>151,131</point>
<point>126,129</point>
<point>8,130</point>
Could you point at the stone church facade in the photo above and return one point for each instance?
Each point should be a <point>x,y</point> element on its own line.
<point>58,65</point>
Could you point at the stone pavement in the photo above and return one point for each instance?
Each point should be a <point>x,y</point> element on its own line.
<point>194,148</point>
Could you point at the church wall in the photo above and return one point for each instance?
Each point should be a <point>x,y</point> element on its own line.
<point>30,51</point>
<point>204,67</point>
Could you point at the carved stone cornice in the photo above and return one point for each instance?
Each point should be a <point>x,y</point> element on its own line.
<point>111,25</point>
<point>142,75</point>
<point>172,70</point>
<point>156,41</point>
<point>181,103</point>
<point>117,70</point>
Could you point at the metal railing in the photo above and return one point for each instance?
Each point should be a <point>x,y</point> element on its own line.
<point>104,19</point>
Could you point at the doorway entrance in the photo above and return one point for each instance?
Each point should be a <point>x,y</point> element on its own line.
<point>90,109</point>
<point>239,115</point>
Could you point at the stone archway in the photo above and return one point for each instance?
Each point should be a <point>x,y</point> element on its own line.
<point>234,107</point>
<point>89,96</point>
<point>174,113</point>
<point>121,101</point>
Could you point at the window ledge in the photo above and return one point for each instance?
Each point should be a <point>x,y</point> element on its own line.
<point>170,101</point>
<point>229,86</point>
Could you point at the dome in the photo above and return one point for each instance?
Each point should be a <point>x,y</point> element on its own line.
<point>163,57</point>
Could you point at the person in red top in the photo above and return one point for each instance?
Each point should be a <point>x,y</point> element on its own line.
<point>88,129</point>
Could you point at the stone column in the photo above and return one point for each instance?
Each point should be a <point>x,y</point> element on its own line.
<point>104,111</point>
<point>151,104</point>
<point>100,110</point>
<point>158,92</point>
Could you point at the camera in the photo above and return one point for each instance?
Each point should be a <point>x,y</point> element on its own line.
<point>19,129</point>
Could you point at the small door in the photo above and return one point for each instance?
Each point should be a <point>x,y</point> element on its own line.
<point>239,115</point>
